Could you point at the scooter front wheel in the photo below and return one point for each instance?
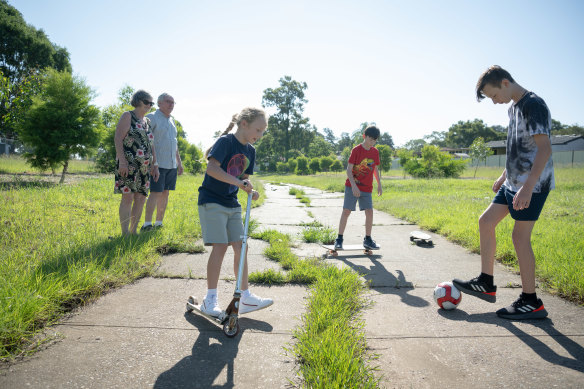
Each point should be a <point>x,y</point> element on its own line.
<point>231,327</point>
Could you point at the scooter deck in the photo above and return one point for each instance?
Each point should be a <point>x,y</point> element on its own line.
<point>197,308</point>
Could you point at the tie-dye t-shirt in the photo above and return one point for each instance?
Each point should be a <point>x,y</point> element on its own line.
<point>363,163</point>
<point>529,117</point>
<point>236,159</point>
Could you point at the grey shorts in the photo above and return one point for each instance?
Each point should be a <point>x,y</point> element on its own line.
<point>220,224</point>
<point>365,200</point>
<point>166,181</point>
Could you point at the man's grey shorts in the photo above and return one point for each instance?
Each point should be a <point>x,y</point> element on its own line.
<point>166,181</point>
<point>365,200</point>
<point>220,224</point>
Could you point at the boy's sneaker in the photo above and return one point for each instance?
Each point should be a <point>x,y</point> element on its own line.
<point>477,288</point>
<point>210,306</point>
<point>148,227</point>
<point>253,303</point>
<point>523,310</point>
<point>370,244</point>
<point>339,244</point>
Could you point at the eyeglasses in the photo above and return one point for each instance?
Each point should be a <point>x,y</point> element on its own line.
<point>146,102</point>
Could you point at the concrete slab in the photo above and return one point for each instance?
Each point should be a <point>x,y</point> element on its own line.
<point>140,336</point>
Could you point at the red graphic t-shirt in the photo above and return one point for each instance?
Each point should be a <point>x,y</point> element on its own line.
<point>363,163</point>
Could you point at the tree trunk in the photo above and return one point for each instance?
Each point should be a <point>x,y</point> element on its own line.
<point>65,166</point>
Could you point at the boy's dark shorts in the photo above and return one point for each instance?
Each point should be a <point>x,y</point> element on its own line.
<point>166,181</point>
<point>505,197</point>
<point>365,200</point>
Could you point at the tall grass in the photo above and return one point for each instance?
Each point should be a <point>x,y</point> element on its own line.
<point>15,164</point>
<point>61,245</point>
<point>451,207</point>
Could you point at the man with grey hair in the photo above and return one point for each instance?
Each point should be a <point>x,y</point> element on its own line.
<point>168,160</point>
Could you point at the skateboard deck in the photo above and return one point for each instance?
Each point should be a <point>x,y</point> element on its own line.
<point>420,237</point>
<point>351,247</point>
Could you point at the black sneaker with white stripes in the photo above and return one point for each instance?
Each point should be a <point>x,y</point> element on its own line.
<point>477,288</point>
<point>523,310</point>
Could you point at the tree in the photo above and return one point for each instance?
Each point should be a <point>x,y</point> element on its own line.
<point>337,166</point>
<point>289,101</point>
<point>24,54</point>
<point>415,145</point>
<point>314,165</point>
<point>61,122</point>
<point>432,164</point>
<point>326,163</point>
<point>436,138</point>
<point>385,154</point>
<point>563,129</point>
<point>344,142</point>
<point>479,151</point>
<point>462,134</point>
<point>319,147</point>
<point>302,166</point>
<point>386,139</point>
<point>329,136</point>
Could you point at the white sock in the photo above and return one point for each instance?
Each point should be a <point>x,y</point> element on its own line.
<point>158,223</point>
<point>147,224</point>
<point>245,293</point>
<point>211,292</point>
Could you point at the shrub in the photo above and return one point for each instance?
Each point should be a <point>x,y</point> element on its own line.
<point>336,166</point>
<point>302,166</point>
<point>292,165</point>
<point>325,163</point>
<point>314,165</point>
<point>282,167</point>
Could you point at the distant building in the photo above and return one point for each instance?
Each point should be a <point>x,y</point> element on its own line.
<point>4,146</point>
<point>559,143</point>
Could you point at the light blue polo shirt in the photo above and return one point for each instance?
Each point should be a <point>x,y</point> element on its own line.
<point>165,143</point>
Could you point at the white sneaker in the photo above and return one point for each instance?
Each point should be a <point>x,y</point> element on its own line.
<point>253,303</point>
<point>210,306</point>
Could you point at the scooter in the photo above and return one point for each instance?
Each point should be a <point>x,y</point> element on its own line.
<point>229,317</point>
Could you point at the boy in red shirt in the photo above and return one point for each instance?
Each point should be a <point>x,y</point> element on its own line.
<point>361,168</point>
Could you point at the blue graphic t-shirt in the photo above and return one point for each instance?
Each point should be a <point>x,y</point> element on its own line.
<point>529,117</point>
<point>236,159</point>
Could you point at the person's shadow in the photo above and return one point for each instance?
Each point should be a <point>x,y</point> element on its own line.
<point>540,348</point>
<point>381,280</point>
<point>212,352</point>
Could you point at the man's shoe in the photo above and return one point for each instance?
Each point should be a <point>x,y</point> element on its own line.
<point>523,310</point>
<point>146,228</point>
<point>210,306</point>
<point>477,288</point>
<point>339,244</point>
<point>253,303</point>
<point>370,244</point>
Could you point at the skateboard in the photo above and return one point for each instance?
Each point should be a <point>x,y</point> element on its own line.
<point>330,249</point>
<point>419,237</point>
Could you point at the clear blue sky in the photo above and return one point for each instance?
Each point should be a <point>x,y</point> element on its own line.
<point>409,66</point>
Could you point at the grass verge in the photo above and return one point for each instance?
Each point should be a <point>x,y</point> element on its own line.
<point>451,207</point>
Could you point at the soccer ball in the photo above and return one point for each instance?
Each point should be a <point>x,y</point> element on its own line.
<point>447,296</point>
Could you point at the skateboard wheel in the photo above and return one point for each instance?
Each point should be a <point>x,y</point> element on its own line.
<point>411,238</point>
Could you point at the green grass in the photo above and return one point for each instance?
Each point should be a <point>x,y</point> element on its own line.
<point>451,207</point>
<point>324,235</point>
<point>61,245</point>
<point>300,195</point>
<point>330,344</point>
<point>16,165</point>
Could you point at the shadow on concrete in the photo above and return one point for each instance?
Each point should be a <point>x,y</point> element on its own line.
<point>383,281</point>
<point>212,353</point>
<point>540,348</point>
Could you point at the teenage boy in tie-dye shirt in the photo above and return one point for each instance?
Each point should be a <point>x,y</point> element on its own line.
<point>521,190</point>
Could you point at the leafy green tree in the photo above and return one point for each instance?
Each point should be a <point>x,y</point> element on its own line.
<point>415,145</point>
<point>61,123</point>
<point>344,142</point>
<point>337,166</point>
<point>302,166</point>
<point>282,167</point>
<point>314,165</point>
<point>288,99</point>
<point>479,151</point>
<point>345,155</point>
<point>385,139</point>
<point>462,134</point>
<point>292,164</point>
<point>436,138</point>
<point>326,163</point>
<point>562,129</point>
<point>432,164</point>
<point>319,147</point>
<point>329,136</point>
<point>385,154</point>
<point>24,53</point>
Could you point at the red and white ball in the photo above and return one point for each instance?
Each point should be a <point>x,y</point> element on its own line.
<point>447,296</point>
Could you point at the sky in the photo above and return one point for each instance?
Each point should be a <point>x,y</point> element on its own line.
<point>409,66</point>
